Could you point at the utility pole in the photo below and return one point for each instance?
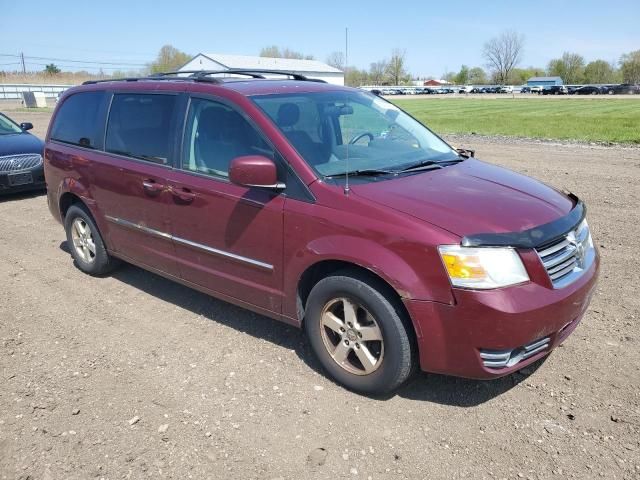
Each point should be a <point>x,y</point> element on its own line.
<point>24,69</point>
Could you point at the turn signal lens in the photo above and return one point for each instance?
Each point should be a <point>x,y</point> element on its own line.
<point>482,268</point>
<point>459,266</point>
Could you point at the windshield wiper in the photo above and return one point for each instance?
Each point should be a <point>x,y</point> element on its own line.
<point>430,164</point>
<point>424,165</point>
<point>362,173</point>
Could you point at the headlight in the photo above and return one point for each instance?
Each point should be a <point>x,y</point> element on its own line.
<point>482,268</point>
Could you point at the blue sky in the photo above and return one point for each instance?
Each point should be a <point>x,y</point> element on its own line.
<point>437,36</point>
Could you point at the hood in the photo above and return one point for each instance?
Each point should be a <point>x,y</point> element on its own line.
<point>471,197</point>
<point>17,143</point>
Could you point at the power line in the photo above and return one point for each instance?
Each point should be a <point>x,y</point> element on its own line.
<point>83,62</point>
<point>72,66</point>
<point>87,61</point>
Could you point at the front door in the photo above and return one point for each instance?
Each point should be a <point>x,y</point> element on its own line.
<point>228,238</point>
<point>130,179</point>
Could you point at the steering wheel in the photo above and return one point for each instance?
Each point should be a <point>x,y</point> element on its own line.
<point>362,135</point>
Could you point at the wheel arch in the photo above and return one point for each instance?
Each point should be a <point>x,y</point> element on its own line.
<point>327,267</point>
<point>66,200</point>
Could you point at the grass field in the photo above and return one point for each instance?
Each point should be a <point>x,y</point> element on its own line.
<point>589,120</point>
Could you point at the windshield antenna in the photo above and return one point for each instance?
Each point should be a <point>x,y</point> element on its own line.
<point>346,62</point>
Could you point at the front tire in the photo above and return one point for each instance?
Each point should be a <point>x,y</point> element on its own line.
<point>85,242</point>
<point>359,333</point>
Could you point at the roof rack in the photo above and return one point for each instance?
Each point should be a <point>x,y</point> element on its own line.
<point>206,76</point>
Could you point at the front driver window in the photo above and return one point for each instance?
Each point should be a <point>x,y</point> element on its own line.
<point>215,135</point>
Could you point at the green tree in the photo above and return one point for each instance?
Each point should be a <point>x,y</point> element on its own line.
<point>462,77</point>
<point>355,77</point>
<point>477,76</point>
<point>521,75</point>
<point>570,67</point>
<point>51,69</point>
<point>599,71</point>
<point>449,77</point>
<point>169,59</point>
<point>630,67</point>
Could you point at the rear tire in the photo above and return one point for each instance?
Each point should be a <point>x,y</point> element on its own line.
<point>359,333</point>
<point>85,242</point>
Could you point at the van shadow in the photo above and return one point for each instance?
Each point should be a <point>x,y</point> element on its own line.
<point>433,388</point>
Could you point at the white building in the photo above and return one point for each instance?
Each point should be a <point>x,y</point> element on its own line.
<point>308,68</point>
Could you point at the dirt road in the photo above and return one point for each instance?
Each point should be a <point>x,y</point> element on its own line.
<point>132,376</point>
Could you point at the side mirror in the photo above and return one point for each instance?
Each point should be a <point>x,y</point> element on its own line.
<point>254,171</point>
<point>26,126</point>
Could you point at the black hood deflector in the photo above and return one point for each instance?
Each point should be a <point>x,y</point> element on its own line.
<point>534,237</point>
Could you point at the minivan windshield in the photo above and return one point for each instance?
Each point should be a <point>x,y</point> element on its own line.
<point>356,131</point>
<point>7,126</point>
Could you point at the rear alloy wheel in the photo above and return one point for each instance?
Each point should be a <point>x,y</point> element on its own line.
<point>359,332</point>
<point>85,242</point>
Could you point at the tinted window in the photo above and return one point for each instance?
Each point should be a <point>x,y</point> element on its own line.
<point>215,135</point>
<point>139,126</point>
<point>79,121</point>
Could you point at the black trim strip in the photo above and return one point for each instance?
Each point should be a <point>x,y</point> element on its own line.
<point>534,237</point>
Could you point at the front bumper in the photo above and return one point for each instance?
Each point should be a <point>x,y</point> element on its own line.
<point>8,183</point>
<point>452,337</point>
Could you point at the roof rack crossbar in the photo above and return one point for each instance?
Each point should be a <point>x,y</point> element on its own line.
<point>205,76</point>
<point>251,72</point>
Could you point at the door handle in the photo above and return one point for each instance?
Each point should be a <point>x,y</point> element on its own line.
<point>183,194</point>
<point>152,187</point>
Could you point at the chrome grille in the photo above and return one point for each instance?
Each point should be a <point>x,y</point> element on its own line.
<point>14,163</point>
<point>566,259</point>
<point>509,358</point>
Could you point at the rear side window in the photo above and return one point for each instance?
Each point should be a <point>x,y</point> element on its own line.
<point>79,120</point>
<point>140,126</point>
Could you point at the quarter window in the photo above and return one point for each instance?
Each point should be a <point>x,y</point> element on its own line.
<point>139,126</point>
<point>215,135</point>
<point>78,120</point>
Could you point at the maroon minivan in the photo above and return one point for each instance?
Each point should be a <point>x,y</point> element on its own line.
<point>327,208</point>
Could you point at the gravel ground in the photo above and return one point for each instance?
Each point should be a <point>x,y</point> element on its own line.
<point>133,376</point>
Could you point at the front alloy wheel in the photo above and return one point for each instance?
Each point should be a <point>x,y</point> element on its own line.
<point>359,331</point>
<point>351,336</point>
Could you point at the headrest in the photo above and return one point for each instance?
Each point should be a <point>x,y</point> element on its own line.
<point>288,114</point>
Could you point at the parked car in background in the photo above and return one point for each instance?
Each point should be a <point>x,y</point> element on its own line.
<point>537,89</point>
<point>625,88</point>
<point>554,90</point>
<point>505,89</point>
<point>390,248</point>
<point>571,89</point>
<point>21,166</point>
<point>587,90</point>
<point>525,89</point>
